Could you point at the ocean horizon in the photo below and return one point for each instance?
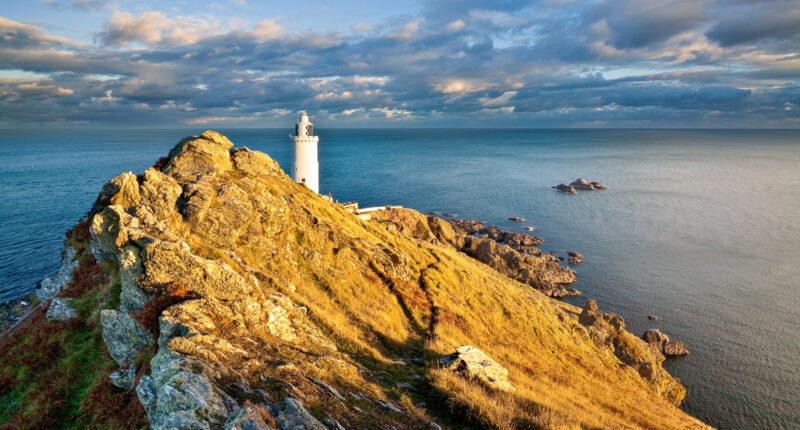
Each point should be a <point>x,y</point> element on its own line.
<point>698,226</point>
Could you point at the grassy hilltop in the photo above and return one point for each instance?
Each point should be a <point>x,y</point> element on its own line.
<point>212,288</point>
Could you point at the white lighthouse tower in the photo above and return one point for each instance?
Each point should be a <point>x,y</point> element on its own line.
<point>306,165</point>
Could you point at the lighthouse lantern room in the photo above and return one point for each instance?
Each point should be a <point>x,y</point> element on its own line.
<point>306,165</point>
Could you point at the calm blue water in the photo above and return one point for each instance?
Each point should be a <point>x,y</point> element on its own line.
<point>701,228</point>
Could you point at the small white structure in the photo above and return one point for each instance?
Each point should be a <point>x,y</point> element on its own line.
<point>306,164</point>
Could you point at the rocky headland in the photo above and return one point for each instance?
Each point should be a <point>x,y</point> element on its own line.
<point>212,291</point>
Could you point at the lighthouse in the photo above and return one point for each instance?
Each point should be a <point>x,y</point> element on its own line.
<point>306,165</point>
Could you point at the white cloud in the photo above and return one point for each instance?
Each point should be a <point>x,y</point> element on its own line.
<point>38,89</point>
<point>266,30</point>
<point>455,25</point>
<point>500,100</point>
<point>406,32</point>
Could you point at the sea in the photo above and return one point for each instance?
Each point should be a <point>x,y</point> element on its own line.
<point>700,228</point>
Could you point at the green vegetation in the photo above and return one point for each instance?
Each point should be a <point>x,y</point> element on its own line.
<point>54,375</point>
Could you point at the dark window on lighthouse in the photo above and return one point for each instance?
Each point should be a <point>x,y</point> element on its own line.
<point>296,129</point>
<point>310,130</point>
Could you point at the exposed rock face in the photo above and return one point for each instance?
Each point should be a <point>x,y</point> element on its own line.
<point>60,310</point>
<point>53,284</point>
<point>248,418</point>
<point>251,282</point>
<point>609,329</point>
<point>293,416</point>
<point>661,341</point>
<point>528,265</point>
<point>471,362</point>
<point>123,336</point>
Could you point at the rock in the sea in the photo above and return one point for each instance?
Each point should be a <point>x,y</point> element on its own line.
<point>293,416</point>
<point>529,228</point>
<point>60,310</point>
<point>55,283</point>
<point>662,343</point>
<point>516,218</point>
<point>674,349</point>
<point>653,317</point>
<point>575,258</point>
<point>471,362</point>
<point>564,188</point>
<point>248,418</point>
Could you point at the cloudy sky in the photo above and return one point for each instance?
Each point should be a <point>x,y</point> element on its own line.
<point>470,63</point>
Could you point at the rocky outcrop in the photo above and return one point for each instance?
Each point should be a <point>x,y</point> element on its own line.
<point>248,418</point>
<point>472,363</point>
<point>609,329</point>
<point>579,184</point>
<point>516,218</point>
<point>60,310</point>
<point>575,258</point>
<point>51,285</point>
<point>293,416</point>
<point>540,272</point>
<point>662,343</point>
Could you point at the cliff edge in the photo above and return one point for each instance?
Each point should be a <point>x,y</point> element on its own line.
<point>214,292</point>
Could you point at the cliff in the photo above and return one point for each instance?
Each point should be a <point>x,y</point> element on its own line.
<point>212,291</point>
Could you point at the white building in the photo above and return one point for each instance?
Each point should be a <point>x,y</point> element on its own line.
<point>306,164</point>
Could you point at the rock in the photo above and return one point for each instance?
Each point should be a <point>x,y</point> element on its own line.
<point>178,394</point>
<point>333,391</point>
<point>415,377</point>
<point>467,226</point>
<point>123,191</point>
<point>653,317</point>
<point>405,386</point>
<point>655,337</point>
<point>253,162</point>
<point>564,188</point>
<point>159,193</point>
<point>51,285</point>
<point>333,424</point>
<point>542,273</point>
<point>198,156</point>
<point>293,416</point>
<point>529,228</point>
<point>123,378</point>
<point>472,363</point>
<point>434,426</point>
<point>517,239</point>
<point>674,349</point>
<point>449,215</point>
<point>516,218</point>
<point>247,418</point>
<point>575,258</point>
<point>390,406</point>
<point>124,337</point>
<point>60,310</point>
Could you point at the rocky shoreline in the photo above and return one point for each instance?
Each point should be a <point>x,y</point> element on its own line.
<point>15,310</point>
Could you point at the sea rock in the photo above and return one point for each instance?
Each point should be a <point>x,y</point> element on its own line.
<point>471,362</point>
<point>564,188</point>
<point>60,310</point>
<point>662,343</point>
<point>293,416</point>
<point>674,349</point>
<point>56,282</point>
<point>583,184</point>
<point>653,317</point>
<point>124,337</point>
<point>248,418</point>
<point>575,258</point>
<point>529,228</point>
<point>516,218</point>
<point>517,239</point>
<point>467,226</point>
